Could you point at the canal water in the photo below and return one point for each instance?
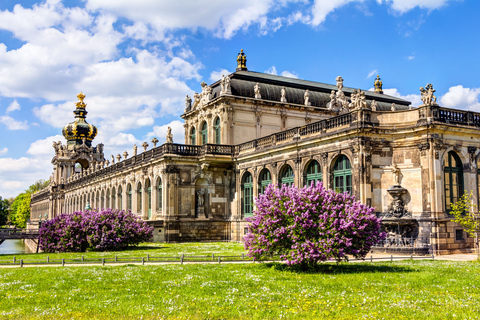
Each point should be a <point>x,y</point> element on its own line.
<point>13,247</point>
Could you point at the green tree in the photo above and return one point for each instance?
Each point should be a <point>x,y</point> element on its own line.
<point>37,186</point>
<point>464,212</point>
<point>3,211</point>
<point>20,210</point>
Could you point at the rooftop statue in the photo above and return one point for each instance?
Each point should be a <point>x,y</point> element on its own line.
<point>169,138</point>
<point>307,98</point>
<point>427,96</point>
<point>241,61</point>
<point>188,103</point>
<point>256,89</point>
<point>378,85</point>
<point>339,80</point>
<point>283,95</point>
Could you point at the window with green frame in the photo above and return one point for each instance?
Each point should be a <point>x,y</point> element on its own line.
<point>204,133</point>
<point>313,173</point>
<point>247,195</point>
<point>217,130</point>
<point>108,199</point>
<point>159,194</point>
<point>149,199</point>
<point>286,176</point>
<point>120,198</point>
<point>129,197</point>
<point>264,181</point>
<point>342,175</point>
<point>139,198</point>
<point>453,174</point>
<point>193,136</point>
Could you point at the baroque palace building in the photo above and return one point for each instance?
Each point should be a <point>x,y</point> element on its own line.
<point>250,129</point>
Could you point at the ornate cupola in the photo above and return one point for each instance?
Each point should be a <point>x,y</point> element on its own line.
<point>378,85</point>
<point>241,61</point>
<point>79,132</point>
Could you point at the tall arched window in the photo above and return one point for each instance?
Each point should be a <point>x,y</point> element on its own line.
<point>247,195</point>
<point>97,200</point>
<point>286,176</point>
<point>102,200</point>
<point>204,132</point>
<point>264,181</point>
<point>217,130</point>
<point>129,197</point>
<point>342,175</point>
<point>313,173</point>
<point>193,136</point>
<point>139,198</point>
<point>453,171</point>
<point>148,187</point>
<point>159,195</point>
<point>120,198</point>
<point>114,199</point>
<point>108,199</point>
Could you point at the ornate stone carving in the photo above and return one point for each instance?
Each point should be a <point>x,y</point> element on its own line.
<point>471,152</point>
<point>426,94</point>
<point>241,61</point>
<point>145,146</point>
<point>339,80</point>
<point>135,149</point>
<point>188,103</point>
<point>324,157</point>
<point>154,141</point>
<point>196,101</point>
<point>394,107</point>
<point>119,157</point>
<point>256,90</point>
<point>171,169</point>
<point>306,97</point>
<point>374,105</point>
<point>225,85</point>
<point>169,138</point>
<point>283,93</point>
<point>113,159</point>
<point>397,174</point>
<point>423,147</point>
<point>358,100</point>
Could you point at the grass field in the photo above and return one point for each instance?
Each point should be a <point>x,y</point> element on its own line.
<point>423,289</point>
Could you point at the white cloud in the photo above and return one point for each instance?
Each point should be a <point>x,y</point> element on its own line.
<point>403,6</point>
<point>178,132</point>
<point>413,98</point>
<point>372,73</point>
<point>461,98</point>
<point>217,75</point>
<point>44,147</point>
<point>289,74</point>
<point>411,57</point>
<point>3,151</point>
<point>271,70</point>
<point>12,124</point>
<point>13,106</point>
<point>322,8</point>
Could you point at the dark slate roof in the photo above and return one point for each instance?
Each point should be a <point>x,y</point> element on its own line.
<point>242,83</point>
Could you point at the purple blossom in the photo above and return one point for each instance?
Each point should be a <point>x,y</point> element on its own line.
<point>108,229</point>
<point>310,224</point>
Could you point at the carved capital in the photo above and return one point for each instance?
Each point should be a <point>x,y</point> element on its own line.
<point>423,147</point>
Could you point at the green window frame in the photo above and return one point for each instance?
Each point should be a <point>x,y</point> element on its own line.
<point>159,195</point>
<point>247,195</point>
<point>265,180</point>
<point>217,130</point>
<point>149,199</point>
<point>120,198</point>
<point>108,199</point>
<point>193,136</point>
<point>342,175</point>
<point>313,173</point>
<point>139,198</point>
<point>114,199</point>
<point>286,176</point>
<point>204,132</point>
<point>129,197</point>
<point>453,179</point>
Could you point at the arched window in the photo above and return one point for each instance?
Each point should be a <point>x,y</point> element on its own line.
<point>193,136</point>
<point>342,175</point>
<point>139,198</point>
<point>102,200</point>
<point>247,195</point>
<point>217,130</point>
<point>97,200</point>
<point>114,199</point>
<point>148,187</point>
<point>453,171</point>
<point>159,195</point>
<point>108,199</point>
<point>204,133</point>
<point>264,181</point>
<point>286,176</point>
<point>129,197</point>
<point>120,198</point>
<point>313,173</point>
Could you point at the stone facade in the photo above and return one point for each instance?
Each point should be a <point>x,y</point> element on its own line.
<point>250,129</point>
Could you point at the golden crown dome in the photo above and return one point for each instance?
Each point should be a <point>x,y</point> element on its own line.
<point>79,131</point>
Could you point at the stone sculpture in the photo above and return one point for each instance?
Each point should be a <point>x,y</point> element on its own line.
<point>169,138</point>
<point>397,174</point>
<point>188,103</point>
<point>201,197</point>
<point>427,96</point>
<point>256,89</point>
<point>339,80</point>
<point>125,155</point>
<point>145,146</point>
<point>134,150</point>
<point>119,157</point>
<point>373,106</point>
<point>394,107</point>
<point>283,95</point>
<point>113,159</point>
<point>154,141</point>
<point>306,97</point>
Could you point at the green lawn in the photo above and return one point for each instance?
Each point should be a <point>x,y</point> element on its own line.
<point>420,289</point>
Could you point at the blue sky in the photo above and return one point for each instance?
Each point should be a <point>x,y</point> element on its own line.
<point>136,61</point>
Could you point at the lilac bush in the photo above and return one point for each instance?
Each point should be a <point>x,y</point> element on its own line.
<point>310,224</point>
<point>108,229</point>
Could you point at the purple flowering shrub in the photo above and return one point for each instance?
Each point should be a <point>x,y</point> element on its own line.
<point>108,229</point>
<point>310,224</point>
